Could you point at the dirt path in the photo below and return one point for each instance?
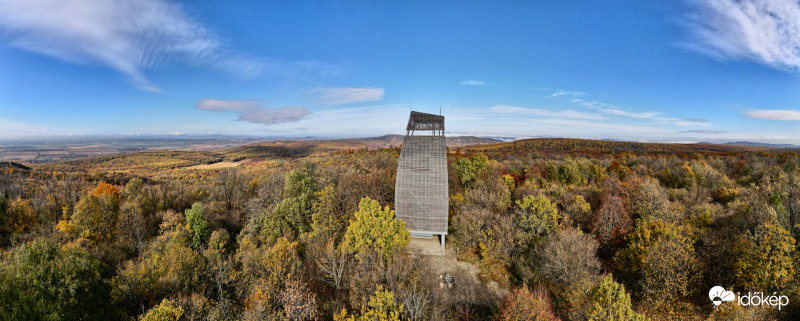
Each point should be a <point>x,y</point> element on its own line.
<point>468,285</point>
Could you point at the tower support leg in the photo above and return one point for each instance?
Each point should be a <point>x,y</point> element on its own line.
<point>442,239</point>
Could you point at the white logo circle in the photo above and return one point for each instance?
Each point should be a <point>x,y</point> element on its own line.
<point>718,295</point>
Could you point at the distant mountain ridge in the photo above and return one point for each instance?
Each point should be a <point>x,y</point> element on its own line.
<point>588,146</point>
<point>753,144</point>
<point>746,143</point>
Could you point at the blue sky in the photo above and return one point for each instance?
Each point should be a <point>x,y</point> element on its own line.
<point>667,71</point>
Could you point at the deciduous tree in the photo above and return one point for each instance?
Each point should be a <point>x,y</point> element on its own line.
<point>765,261</point>
<point>523,304</point>
<point>292,216</point>
<point>569,258</point>
<point>165,311</point>
<point>382,307</point>
<point>40,281</point>
<point>298,302</point>
<point>609,302</point>
<point>659,262</point>
<point>96,215</point>
<point>645,197</point>
<point>375,230</point>
<point>611,221</point>
<point>20,216</point>
<point>537,216</point>
<point>197,224</point>
<point>468,169</point>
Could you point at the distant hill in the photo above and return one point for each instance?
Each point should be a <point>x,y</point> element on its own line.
<point>459,141</point>
<point>294,148</point>
<point>586,146</point>
<point>135,162</point>
<point>14,165</point>
<point>745,143</point>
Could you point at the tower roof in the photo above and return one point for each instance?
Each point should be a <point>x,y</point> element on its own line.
<point>424,121</point>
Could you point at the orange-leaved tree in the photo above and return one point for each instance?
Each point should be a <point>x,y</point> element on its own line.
<point>96,215</point>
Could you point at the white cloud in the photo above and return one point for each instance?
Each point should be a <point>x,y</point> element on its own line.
<point>605,109</point>
<point>611,109</point>
<point>347,122</point>
<point>545,89</point>
<point>125,35</point>
<point>773,114</point>
<point>704,131</point>
<point>281,115</point>
<point>561,92</point>
<point>544,112</point>
<point>682,122</point>
<point>765,31</point>
<point>253,112</point>
<point>513,125</point>
<point>347,95</point>
<point>696,120</point>
<point>471,82</point>
<point>570,93</point>
<point>241,106</point>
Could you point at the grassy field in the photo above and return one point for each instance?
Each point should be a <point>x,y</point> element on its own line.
<point>220,165</point>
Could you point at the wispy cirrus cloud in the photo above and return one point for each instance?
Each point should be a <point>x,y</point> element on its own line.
<point>561,92</point>
<point>569,93</point>
<point>764,31</point>
<point>609,109</point>
<point>544,112</point>
<point>472,82</point>
<point>129,36</point>
<point>612,110</point>
<point>346,95</point>
<point>252,111</point>
<point>773,114</point>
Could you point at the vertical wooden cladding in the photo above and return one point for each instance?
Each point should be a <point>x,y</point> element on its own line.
<point>421,199</point>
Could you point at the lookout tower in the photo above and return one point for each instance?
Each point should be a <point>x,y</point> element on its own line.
<point>421,199</point>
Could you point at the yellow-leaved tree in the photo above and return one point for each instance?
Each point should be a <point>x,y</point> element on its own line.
<point>21,216</point>
<point>375,229</point>
<point>382,307</point>
<point>163,312</point>
<point>765,259</point>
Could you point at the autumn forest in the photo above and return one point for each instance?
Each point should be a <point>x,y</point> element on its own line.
<point>560,229</point>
